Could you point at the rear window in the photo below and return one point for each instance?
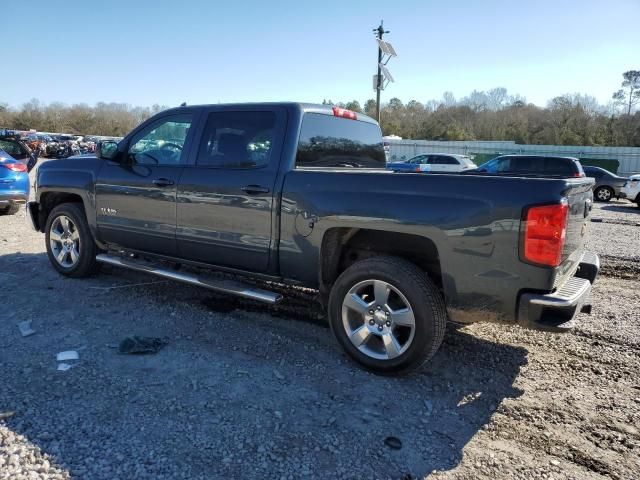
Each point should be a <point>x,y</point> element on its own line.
<point>328,141</point>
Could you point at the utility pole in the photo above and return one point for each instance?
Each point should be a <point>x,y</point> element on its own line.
<point>384,49</point>
<point>379,32</point>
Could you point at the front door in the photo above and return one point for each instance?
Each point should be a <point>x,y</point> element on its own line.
<point>136,196</point>
<point>225,199</point>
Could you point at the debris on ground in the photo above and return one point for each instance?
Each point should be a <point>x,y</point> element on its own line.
<point>393,442</point>
<point>7,414</point>
<point>142,345</point>
<point>63,367</point>
<point>25,328</point>
<point>67,355</point>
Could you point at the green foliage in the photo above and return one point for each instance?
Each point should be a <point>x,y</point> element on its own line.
<point>571,119</point>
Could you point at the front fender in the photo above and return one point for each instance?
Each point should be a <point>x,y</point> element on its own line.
<point>60,181</point>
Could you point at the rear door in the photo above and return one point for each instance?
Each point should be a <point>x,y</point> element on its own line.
<point>225,197</point>
<point>443,163</point>
<point>136,197</point>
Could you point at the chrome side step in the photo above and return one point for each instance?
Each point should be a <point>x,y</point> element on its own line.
<point>223,286</point>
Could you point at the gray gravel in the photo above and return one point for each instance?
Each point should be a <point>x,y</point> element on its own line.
<point>250,392</point>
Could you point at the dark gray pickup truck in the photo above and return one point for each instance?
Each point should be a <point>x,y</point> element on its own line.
<point>298,194</point>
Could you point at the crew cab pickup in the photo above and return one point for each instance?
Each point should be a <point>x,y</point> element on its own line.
<point>298,194</point>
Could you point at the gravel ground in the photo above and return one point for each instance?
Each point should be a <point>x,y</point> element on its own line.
<point>246,391</point>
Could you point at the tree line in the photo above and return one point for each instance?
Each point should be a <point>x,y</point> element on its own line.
<point>110,119</point>
<point>572,119</point>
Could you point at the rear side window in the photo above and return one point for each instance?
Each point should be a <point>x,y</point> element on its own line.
<point>560,166</point>
<point>237,140</point>
<point>442,160</point>
<point>593,172</point>
<point>328,141</point>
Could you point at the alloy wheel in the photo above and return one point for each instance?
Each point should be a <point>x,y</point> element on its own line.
<point>604,194</point>
<point>64,239</point>
<point>378,319</point>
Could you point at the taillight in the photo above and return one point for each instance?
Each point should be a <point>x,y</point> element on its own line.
<point>344,113</point>
<point>417,169</point>
<point>545,233</point>
<point>15,167</point>
<point>578,175</point>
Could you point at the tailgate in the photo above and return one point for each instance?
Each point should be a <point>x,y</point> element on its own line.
<point>579,195</point>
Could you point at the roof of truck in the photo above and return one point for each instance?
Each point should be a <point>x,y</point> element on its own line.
<point>304,107</point>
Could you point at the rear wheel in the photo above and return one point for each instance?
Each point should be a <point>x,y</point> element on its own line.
<point>387,314</point>
<point>70,245</point>
<point>603,194</point>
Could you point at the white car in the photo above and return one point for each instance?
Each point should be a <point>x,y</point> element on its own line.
<point>434,162</point>
<point>631,189</point>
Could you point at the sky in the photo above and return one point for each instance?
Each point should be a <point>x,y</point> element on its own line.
<point>208,51</point>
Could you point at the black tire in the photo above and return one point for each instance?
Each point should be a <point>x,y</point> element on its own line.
<point>86,264</point>
<point>10,210</point>
<point>606,193</point>
<point>426,302</point>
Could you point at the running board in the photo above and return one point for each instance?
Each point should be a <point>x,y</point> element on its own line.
<point>223,286</point>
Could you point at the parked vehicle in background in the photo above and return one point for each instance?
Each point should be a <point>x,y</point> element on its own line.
<point>527,165</point>
<point>434,162</point>
<point>298,194</point>
<point>607,185</point>
<point>14,184</point>
<point>18,150</point>
<point>63,146</point>
<point>631,189</point>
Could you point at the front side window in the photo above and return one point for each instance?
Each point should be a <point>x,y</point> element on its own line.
<point>330,142</point>
<point>418,160</point>
<point>237,140</point>
<point>162,142</point>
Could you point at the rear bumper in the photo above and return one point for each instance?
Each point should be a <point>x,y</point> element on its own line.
<point>556,312</point>
<point>12,198</point>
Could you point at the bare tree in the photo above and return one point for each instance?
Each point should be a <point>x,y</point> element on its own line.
<point>629,94</point>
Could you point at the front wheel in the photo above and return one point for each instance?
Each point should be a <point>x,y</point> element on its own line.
<point>387,314</point>
<point>70,245</point>
<point>603,194</point>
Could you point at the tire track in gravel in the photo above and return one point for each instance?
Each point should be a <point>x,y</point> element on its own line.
<point>619,267</point>
<point>614,221</point>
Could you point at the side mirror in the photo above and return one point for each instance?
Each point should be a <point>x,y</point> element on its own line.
<point>107,149</point>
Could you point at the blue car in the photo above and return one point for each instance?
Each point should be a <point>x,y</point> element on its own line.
<point>14,184</point>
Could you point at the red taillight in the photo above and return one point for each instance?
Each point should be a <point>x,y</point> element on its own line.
<point>417,169</point>
<point>578,175</point>
<point>15,167</point>
<point>344,113</point>
<point>545,233</point>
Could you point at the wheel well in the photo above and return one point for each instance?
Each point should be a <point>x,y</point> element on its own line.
<point>50,200</point>
<point>341,247</point>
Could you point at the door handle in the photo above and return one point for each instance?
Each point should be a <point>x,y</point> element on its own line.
<point>254,189</point>
<point>162,182</point>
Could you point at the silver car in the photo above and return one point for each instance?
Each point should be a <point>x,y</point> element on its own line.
<point>607,185</point>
